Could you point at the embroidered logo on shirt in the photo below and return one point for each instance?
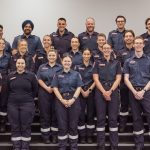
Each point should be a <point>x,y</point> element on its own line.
<point>54,35</point>
<point>145,39</point>
<point>101,65</point>
<point>132,62</point>
<point>96,56</point>
<point>61,76</point>
<point>114,33</point>
<point>124,53</point>
<point>12,78</point>
<point>44,68</point>
<point>81,68</point>
<point>85,38</point>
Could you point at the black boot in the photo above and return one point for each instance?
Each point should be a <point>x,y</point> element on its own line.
<point>114,147</point>
<point>54,139</point>
<point>101,147</point>
<point>89,140</point>
<point>16,145</point>
<point>82,140</point>
<point>2,124</point>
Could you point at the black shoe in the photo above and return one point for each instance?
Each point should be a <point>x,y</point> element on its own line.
<point>101,148</point>
<point>46,141</point>
<point>54,139</point>
<point>114,147</point>
<point>139,148</point>
<point>82,140</point>
<point>122,129</point>
<point>2,128</point>
<point>89,140</point>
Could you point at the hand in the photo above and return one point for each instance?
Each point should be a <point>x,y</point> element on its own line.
<point>14,51</point>
<point>49,89</point>
<point>107,95</point>
<point>85,93</point>
<point>64,102</point>
<point>70,102</point>
<point>140,94</point>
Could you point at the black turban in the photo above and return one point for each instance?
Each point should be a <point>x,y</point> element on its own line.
<point>27,22</point>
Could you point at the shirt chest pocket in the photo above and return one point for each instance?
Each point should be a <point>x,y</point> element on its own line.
<point>133,68</point>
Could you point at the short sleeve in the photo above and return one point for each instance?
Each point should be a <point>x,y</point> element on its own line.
<point>79,80</point>
<point>126,67</point>
<point>55,81</point>
<point>95,69</point>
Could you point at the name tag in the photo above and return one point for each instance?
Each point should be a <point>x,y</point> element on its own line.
<point>54,35</point>
<point>145,39</point>
<point>114,33</point>
<point>96,56</point>
<point>61,76</point>
<point>81,68</point>
<point>44,68</point>
<point>12,78</point>
<point>132,62</point>
<point>85,38</point>
<point>40,57</point>
<point>124,54</point>
<point>101,65</point>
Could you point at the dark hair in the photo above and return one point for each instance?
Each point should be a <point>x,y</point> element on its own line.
<point>62,19</point>
<point>102,35</point>
<point>66,55</point>
<point>48,36</point>
<point>108,44</point>
<point>120,16</point>
<point>86,49</point>
<point>146,21</point>
<point>1,26</point>
<point>21,58</point>
<point>131,31</point>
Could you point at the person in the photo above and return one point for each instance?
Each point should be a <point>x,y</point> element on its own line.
<point>47,98</point>
<point>41,55</point>
<point>75,52</point>
<point>101,40</point>
<point>34,42</point>
<point>88,39</point>
<point>4,67</point>
<point>22,87</point>
<point>137,79</point>
<point>115,37</point>
<point>7,44</point>
<point>67,86</point>
<point>146,37</point>
<point>22,49</point>
<point>86,123</point>
<point>107,76</point>
<point>62,37</point>
<point>122,56</point>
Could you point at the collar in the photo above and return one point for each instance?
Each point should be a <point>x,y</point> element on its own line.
<point>77,52</point>
<point>65,33</point>
<point>90,64</point>
<point>134,56</point>
<point>94,33</point>
<point>119,31</point>
<point>47,64</point>
<point>25,72</point>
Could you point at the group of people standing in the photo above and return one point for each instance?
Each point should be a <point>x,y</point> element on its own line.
<point>75,79</point>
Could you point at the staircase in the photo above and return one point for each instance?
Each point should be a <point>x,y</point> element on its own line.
<point>126,141</point>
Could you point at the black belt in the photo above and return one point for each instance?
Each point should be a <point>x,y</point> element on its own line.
<point>107,84</point>
<point>138,88</point>
<point>67,94</point>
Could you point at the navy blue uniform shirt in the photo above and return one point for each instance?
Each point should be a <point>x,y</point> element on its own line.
<point>124,54</point>
<point>4,63</point>
<point>46,72</point>
<point>7,48</point>
<point>116,40</point>
<point>34,43</point>
<point>146,38</point>
<point>88,41</point>
<point>62,43</point>
<point>97,55</point>
<point>138,70</point>
<point>107,71</point>
<point>30,65</point>
<point>21,88</point>
<point>67,82</point>
<point>76,58</point>
<point>86,73</point>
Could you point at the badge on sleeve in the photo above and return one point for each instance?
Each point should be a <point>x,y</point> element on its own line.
<point>12,78</point>
<point>132,62</point>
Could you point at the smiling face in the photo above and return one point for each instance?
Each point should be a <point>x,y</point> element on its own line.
<point>52,56</point>
<point>27,29</point>
<point>148,25</point>
<point>90,25</point>
<point>2,44</point>
<point>138,44</point>
<point>86,55</point>
<point>120,22</point>
<point>128,38</point>
<point>75,44</point>
<point>47,42</point>
<point>22,46</point>
<point>101,40</point>
<point>107,50</point>
<point>66,62</point>
<point>20,65</point>
<point>61,24</point>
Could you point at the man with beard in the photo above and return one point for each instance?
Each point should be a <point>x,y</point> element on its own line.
<point>115,37</point>
<point>146,37</point>
<point>7,44</point>
<point>61,39</point>
<point>34,42</point>
<point>88,39</point>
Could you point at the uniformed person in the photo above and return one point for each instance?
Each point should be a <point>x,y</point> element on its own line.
<point>7,44</point>
<point>146,37</point>
<point>62,37</point>
<point>101,40</point>
<point>4,66</point>
<point>67,86</point>
<point>88,39</point>
<point>22,88</point>
<point>86,123</point>
<point>107,76</point>
<point>41,55</point>
<point>34,42</point>
<point>137,79</point>
<point>115,37</point>
<point>47,98</point>
<point>122,56</point>
<point>22,49</point>
<point>75,52</point>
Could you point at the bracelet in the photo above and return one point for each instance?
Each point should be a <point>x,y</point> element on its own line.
<point>90,90</point>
